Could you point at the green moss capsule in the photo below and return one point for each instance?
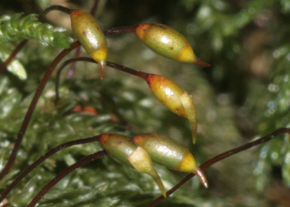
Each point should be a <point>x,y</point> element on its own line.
<point>89,33</point>
<point>124,150</point>
<point>175,98</point>
<point>168,43</point>
<point>169,153</point>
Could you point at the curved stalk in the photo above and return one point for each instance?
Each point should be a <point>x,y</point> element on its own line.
<point>102,153</point>
<point>181,105</point>
<point>32,107</point>
<point>113,31</point>
<point>34,102</point>
<point>54,7</point>
<point>13,54</point>
<point>87,59</point>
<point>64,173</point>
<point>223,156</point>
<point>43,158</point>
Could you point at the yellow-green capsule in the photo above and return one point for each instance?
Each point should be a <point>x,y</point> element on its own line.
<point>124,150</point>
<point>169,153</point>
<point>175,98</point>
<point>89,33</point>
<point>168,43</point>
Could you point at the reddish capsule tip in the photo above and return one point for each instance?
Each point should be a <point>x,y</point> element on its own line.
<point>104,138</point>
<point>150,78</point>
<point>76,12</point>
<point>201,63</point>
<point>137,139</point>
<point>201,177</point>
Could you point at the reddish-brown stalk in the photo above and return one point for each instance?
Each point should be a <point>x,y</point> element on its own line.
<point>13,54</point>
<point>187,178</point>
<point>121,30</point>
<point>35,100</point>
<point>32,107</point>
<point>64,173</point>
<point>87,59</point>
<point>113,31</point>
<point>43,158</point>
<point>221,157</point>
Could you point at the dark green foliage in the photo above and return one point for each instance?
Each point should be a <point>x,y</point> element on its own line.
<point>19,27</point>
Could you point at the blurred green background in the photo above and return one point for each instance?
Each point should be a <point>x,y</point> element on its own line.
<point>245,94</point>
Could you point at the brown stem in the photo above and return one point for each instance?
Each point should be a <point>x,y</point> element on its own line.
<point>64,173</point>
<point>120,30</point>
<point>13,54</point>
<point>109,32</point>
<point>54,7</point>
<point>129,70</point>
<point>33,104</point>
<point>44,157</point>
<point>113,65</point>
<point>32,107</point>
<point>221,157</point>
<point>94,8</point>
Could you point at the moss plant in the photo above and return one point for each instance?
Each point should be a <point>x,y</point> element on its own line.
<point>242,95</point>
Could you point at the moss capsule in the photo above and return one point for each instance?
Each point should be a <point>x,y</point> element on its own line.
<point>169,153</point>
<point>89,33</point>
<point>175,98</point>
<point>168,43</point>
<point>124,150</point>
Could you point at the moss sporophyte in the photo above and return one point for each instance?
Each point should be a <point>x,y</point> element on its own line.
<point>142,151</point>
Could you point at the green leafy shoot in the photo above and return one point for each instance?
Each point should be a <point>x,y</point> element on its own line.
<point>17,28</point>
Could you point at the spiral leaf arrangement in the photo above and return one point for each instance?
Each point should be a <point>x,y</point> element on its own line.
<point>19,27</point>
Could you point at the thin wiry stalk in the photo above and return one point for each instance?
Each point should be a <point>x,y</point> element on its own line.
<point>13,54</point>
<point>121,30</point>
<point>113,31</point>
<point>64,173</point>
<point>32,107</point>
<point>55,7</point>
<point>43,158</point>
<point>94,7</point>
<point>86,59</point>
<point>35,100</point>
<point>223,156</point>
<point>102,153</point>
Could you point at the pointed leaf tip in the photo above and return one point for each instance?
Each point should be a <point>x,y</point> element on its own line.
<point>190,114</point>
<point>201,63</point>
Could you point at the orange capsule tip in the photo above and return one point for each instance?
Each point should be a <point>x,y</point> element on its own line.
<point>201,177</point>
<point>104,138</point>
<point>201,63</point>
<point>75,12</point>
<point>140,30</point>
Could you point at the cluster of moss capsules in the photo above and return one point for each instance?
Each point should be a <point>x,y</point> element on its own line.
<point>141,151</point>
